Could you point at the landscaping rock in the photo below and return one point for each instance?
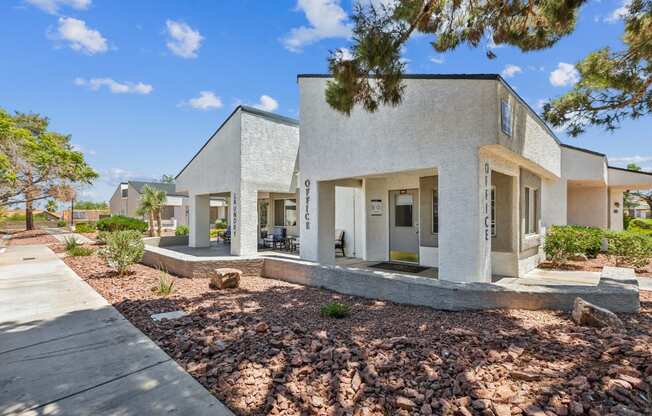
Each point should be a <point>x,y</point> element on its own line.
<point>588,314</point>
<point>225,279</point>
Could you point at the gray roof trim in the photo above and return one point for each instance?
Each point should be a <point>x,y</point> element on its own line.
<point>491,77</point>
<point>261,113</point>
<point>581,149</point>
<point>630,171</point>
<point>169,188</point>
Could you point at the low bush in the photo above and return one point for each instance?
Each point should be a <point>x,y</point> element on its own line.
<point>564,242</point>
<point>220,224</point>
<point>61,223</point>
<point>70,243</point>
<point>102,236</point>
<point>335,310</point>
<point>123,248</point>
<point>121,223</point>
<point>182,230</point>
<point>80,251</point>
<point>630,249</point>
<point>641,223</point>
<point>165,285</point>
<point>85,227</point>
<point>214,233</point>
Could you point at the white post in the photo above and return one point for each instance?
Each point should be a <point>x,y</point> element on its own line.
<point>244,222</point>
<point>616,209</point>
<point>199,221</point>
<point>317,221</point>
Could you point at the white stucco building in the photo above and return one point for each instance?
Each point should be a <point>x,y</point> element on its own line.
<point>462,176</point>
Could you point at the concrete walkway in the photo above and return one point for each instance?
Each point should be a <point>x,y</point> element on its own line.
<point>61,235</point>
<point>645,283</point>
<point>65,351</point>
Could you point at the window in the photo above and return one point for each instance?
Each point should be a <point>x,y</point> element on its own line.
<point>493,211</point>
<point>531,211</point>
<point>263,207</point>
<point>285,212</point>
<point>124,192</point>
<point>506,117</point>
<point>403,211</point>
<point>435,211</point>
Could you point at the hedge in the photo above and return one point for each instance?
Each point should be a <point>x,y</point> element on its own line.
<point>564,242</point>
<point>121,223</point>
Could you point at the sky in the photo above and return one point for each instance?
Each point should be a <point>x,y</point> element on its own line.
<point>140,85</point>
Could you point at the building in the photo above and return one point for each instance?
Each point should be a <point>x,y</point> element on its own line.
<point>639,208</point>
<point>126,199</point>
<point>463,176</point>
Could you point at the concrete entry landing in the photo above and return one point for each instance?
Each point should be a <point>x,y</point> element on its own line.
<point>66,351</point>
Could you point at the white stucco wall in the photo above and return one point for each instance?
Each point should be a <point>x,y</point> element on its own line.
<point>588,206</point>
<point>583,167</point>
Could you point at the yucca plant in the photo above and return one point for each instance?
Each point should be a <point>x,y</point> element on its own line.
<point>71,243</point>
<point>165,285</point>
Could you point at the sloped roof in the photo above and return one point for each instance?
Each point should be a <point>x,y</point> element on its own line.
<point>168,188</point>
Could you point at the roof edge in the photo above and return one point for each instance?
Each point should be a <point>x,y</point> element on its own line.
<point>630,171</point>
<point>418,76</point>
<point>581,149</point>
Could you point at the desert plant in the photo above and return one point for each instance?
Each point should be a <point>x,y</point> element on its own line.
<point>121,223</point>
<point>165,285</point>
<point>335,310</point>
<point>151,201</point>
<point>182,230</point>
<point>80,251</point>
<point>102,237</point>
<point>630,249</point>
<point>61,223</point>
<point>123,248</point>
<point>85,227</point>
<point>70,243</point>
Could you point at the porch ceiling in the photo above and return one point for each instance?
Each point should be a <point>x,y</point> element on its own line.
<point>505,153</point>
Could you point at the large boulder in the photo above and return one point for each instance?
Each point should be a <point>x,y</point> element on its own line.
<point>588,314</point>
<point>225,278</point>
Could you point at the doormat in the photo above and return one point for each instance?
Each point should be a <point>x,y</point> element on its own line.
<point>399,267</point>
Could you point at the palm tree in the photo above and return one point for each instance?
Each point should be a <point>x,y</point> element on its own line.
<point>151,203</point>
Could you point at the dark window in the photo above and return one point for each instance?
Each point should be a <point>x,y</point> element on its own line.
<point>435,211</point>
<point>506,117</point>
<point>262,212</point>
<point>279,212</point>
<point>403,214</point>
<point>124,192</point>
<point>167,212</point>
<point>290,212</point>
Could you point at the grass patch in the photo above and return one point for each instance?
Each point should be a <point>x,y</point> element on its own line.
<point>335,310</point>
<point>80,251</point>
<point>165,285</point>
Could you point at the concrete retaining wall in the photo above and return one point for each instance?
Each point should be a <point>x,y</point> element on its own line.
<point>166,241</point>
<point>617,290</point>
<point>188,266</point>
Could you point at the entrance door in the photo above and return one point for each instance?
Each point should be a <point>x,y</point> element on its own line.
<point>404,225</point>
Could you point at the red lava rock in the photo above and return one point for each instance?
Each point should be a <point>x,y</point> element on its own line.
<point>387,358</point>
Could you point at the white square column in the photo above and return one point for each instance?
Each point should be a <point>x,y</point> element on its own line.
<point>244,222</point>
<point>199,221</point>
<point>317,221</point>
<point>465,221</point>
<point>616,209</point>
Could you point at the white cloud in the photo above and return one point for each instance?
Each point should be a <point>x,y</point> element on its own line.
<point>619,13</point>
<point>631,159</point>
<point>80,148</point>
<point>327,19</point>
<point>183,40</point>
<point>52,6</point>
<point>437,59</point>
<point>267,103</point>
<point>346,54</point>
<point>207,100</point>
<point>511,70</point>
<point>540,103</point>
<point>80,37</point>
<point>94,84</point>
<point>564,75</point>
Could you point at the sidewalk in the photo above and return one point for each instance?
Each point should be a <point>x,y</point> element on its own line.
<point>61,235</point>
<point>64,350</point>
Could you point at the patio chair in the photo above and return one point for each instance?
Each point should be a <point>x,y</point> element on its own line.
<point>276,238</point>
<point>226,235</point>
<point>339,242</point>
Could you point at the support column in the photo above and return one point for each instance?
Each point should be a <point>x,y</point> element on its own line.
<point>199,221</point>
<point>244,222</point>
<point>616,209</point>
<point>465,221</point>
<point>317,221</point>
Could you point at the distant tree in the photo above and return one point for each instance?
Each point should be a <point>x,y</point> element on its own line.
<point>151,203</point>
<point>613,85</point>
<point>167,179</point>
<point>51,205</point>
<point>645,196</point>
<point>36,164</point>
<point>91,205</point>
<point>633,166</point>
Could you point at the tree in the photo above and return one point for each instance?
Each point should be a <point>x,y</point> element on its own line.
<point>613,84</point>
<point>90,205</point>
<point>51,205</point>
<point>151,203</point>
<point>167,178</point>
<point>36,163</point>
<point>645,196</point>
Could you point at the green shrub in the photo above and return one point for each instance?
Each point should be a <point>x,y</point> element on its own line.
<point>61,223</point>
<point>102,237</point>
<point>123,248</point>
<point>335,310</point>
<point>641,223</point>
<point>85,227</point>
<point>165,285</point>
<point>121,223</point>
<point>80,251</point>
<point>630,249</point>
<point>220,224</point>
<point>563,242</point>
<point>214,233</point>
<point>626,220</point>
<point>182,230</point>
<point>70,243</point>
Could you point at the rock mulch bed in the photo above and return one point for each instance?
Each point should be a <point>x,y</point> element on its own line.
<point>264,349</point>
<point>23,238</point>
<point>596,265</point>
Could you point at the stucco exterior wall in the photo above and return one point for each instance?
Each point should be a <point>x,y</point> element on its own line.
<point>133,201</point>
<point>588,206</point>
<point>580,166</point>
<point>118,204</point>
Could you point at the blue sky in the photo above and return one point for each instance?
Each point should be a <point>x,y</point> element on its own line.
<point>141,85</point>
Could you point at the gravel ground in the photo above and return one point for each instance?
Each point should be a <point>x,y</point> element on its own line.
<point>264,349</point>
<point>23,238</point>
<point>596,265</point>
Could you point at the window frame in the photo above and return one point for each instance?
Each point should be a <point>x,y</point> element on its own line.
<point>289,204</point>
<point>506,110</point>
<point>435,212</point>
<point>531,211</point>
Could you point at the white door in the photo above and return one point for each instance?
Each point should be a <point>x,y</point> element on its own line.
<point>404,225</point>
